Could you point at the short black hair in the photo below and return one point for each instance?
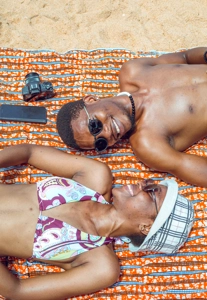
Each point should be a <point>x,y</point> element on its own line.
<point>137,239</point>
<point>69,112</point>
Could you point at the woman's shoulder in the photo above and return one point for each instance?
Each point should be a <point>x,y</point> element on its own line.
<point>97,179</point>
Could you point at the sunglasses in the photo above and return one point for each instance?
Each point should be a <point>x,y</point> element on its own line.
<point>151,189</point>
<point>95,127</point>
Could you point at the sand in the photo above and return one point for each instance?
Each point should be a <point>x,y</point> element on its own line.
<point>63,25</point>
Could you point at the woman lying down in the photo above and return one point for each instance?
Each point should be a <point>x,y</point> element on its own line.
<point>73,220</point>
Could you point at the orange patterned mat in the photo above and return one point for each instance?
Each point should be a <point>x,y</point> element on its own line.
<point>73,74</point>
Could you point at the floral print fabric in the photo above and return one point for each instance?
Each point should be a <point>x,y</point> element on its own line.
<point>55,239</point>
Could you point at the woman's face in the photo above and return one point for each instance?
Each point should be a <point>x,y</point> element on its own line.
<point>134,199</point>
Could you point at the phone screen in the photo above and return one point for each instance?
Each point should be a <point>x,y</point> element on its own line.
<point>18,113</point>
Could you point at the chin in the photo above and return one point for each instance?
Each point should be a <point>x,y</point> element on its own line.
<point>114,193</point>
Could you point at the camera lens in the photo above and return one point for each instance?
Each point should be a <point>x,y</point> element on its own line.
<point>33,76</point>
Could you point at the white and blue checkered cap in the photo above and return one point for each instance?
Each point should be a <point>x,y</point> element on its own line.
<point>172,225</point>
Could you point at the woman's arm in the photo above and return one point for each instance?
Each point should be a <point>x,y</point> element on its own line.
<point>96,270</point>
<point>8,282</point>
<point>91,173</point>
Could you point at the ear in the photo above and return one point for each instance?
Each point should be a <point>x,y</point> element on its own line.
<point>90,99</point>
<point>145,228</point>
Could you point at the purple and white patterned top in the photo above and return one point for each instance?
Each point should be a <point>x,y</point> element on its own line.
<point>55,239</point>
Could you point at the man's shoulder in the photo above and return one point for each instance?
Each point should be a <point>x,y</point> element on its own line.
<point>154,150</point>
<point>132,66</point>
<point>145,139</point>
<point>131,76</point>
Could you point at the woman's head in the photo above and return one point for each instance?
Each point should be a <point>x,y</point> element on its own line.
<point>162,232</point>
<point>140,202</point>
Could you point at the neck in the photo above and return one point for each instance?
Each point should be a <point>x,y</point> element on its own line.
<point>132,104</point>
<point>108,222</point>
<point>136,104</point>
<point>139,102</point>
<point>136,110</point>
<point>103,218</point>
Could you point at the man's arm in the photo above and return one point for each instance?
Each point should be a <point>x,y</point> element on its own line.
<point>130,71</point>
<point>157,154</point>
<point>92,173</point>
<point>98,269</point>
<point>191,56</point>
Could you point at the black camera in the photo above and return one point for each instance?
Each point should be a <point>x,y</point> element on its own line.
<point>35,90</point>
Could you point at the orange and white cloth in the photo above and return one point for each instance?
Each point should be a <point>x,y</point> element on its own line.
<point>144,275</point>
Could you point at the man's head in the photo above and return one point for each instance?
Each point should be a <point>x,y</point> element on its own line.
<point>89,122</point>
<point>171,226</point>
<point>69,112</point>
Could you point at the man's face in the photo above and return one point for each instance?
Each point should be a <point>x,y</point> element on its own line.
<point>114,117</point>
<point>137,201</point>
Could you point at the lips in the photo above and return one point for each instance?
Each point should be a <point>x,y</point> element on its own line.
<point>130,190</point>
<point>116,130</point>
<point>133,189</point>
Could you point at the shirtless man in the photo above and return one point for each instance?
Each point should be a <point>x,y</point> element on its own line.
<point>170,97</point>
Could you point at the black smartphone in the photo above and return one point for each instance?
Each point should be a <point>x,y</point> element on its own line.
<point>19,113</point>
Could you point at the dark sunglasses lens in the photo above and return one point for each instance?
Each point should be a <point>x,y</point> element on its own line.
<point>101,144</point>
<point>95,127</point>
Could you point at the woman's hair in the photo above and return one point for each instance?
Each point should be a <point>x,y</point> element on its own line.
<point>69,112</point>
<point>137,239</point>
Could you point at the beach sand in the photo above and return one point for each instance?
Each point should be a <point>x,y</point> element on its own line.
<point>63,25</point>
